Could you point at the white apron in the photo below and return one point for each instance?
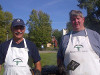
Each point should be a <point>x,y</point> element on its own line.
<point>16,61</point>
<point>80,50</point>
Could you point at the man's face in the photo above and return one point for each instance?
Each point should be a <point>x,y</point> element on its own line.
<point>77,23</point>
<point>18,32</point>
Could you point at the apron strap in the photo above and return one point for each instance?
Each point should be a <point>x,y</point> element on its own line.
<point>25,43</point>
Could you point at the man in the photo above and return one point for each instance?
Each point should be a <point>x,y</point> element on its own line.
<point>80,49</point>
<point>17,53</point>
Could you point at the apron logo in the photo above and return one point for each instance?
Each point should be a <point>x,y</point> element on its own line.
<point>78,47</point>
<point>17,60</point>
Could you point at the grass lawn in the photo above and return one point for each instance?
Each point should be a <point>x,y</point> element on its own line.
<point>46,59</point>
<point>2,71</point>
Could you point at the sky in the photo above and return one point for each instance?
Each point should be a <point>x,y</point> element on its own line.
<point>58,10</point>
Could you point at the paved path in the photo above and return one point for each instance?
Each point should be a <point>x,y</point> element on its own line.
<point>47,51</point>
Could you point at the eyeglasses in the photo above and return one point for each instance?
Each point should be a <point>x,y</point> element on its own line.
<point>19,27</point>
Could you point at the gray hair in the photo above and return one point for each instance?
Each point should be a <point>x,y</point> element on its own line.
<point>75,13</point>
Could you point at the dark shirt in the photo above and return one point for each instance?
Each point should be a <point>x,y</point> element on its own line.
<point>33,51</point>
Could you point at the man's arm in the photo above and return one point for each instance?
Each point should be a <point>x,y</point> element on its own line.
<point>59,61</point>
<point>38,66</point>
<point>37,70</point>
<point>0,67</point>
<point>60,57</point>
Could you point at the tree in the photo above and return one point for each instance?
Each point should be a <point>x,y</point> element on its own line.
<point>57,34</point>
<point>39,26</point>
<point>0,7</point>
<point>69,26</point>
<point>26,35</point>
<point>5,18</point>
<point>93,13</point>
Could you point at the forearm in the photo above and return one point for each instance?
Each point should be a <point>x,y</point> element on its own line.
<point>61,68</point>
<point>38,66</point>
<point>37,70</point>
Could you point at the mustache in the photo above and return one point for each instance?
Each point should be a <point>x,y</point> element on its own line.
<point>18,32</point>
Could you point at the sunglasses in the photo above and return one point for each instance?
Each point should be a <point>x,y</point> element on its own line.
<point>19,27</point>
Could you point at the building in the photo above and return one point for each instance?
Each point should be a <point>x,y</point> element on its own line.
<point>64,31</point>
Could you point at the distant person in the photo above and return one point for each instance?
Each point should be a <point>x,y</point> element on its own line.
<point>42,46</point>
<point>17,52</point>
<point>79,50</point>
<point>54,41</point>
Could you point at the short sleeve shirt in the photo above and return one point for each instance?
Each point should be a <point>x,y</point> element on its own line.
<point>33,51</point>
<point>94,39</point>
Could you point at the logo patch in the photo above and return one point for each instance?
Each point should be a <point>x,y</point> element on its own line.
<point>18,20</point>
<point>17,60</point>
<point>78,47</point>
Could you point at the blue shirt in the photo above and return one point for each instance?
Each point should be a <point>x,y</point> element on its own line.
<point>33,51</point>
<point>94,39</point>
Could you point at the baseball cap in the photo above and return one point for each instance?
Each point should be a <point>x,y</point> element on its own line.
<point>17,22</point>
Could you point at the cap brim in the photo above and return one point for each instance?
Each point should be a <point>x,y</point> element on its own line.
<point>18,25</point>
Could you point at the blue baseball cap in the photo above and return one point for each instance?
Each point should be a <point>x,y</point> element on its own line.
<point>17,22</point>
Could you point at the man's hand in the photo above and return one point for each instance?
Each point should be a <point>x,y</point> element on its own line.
<point>37,72</point>
<point>37,68</point>
<point>61,69</point>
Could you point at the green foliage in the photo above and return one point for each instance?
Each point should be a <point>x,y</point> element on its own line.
<point>5,18</point>
<point>57,35</point>
<point>39,28</point>
<point>69,26</point>
<point>26,35</point>
<point>92,19</point>
<point>2,70</point>
<point>0,7</point>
